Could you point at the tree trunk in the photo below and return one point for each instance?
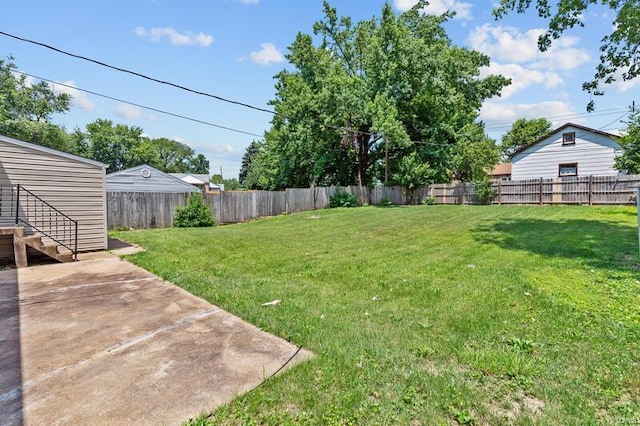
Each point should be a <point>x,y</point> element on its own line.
<point>363,159</point>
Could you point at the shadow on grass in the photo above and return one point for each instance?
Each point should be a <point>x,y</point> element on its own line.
<point>600,244</point>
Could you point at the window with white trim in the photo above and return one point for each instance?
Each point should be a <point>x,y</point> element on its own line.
<point>568,169</point>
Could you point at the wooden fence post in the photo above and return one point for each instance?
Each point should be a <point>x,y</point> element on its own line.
<point>500,192</point>
<point>540,190</point>
<point>590,190</point>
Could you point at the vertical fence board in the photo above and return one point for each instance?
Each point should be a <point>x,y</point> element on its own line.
<point>156,210</point>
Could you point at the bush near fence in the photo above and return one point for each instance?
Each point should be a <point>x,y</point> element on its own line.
<point>156,210</point>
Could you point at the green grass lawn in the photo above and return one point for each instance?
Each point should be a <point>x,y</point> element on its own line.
<point>428,314</point>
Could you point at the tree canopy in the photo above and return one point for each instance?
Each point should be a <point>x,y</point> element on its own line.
<point>26,111</point>
<point>247,159</point>
<point>121,146</point>
<point>523,133</point>
<point>387,97</point>
<point>629,160</point>
<point>619,50</point>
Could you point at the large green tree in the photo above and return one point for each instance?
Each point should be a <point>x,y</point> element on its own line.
<point>172,156</point>
<point>523,133</point>
<point>629,160</point>
<point>619,50</point>
<point>383,97</point>
<point>474,155</point>
<point>122,146</point>
<point>198,164</point>
<point>26,109</point>
<point>247,159</point>
<point>117,145</point>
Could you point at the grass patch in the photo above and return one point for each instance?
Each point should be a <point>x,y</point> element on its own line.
<point>428,315</point>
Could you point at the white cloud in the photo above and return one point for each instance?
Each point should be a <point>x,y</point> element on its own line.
<point>78,98</point>
<point>504,113</point>
<point>176,38</point>
<point>267,55</point>
<point>508,44</point>
<point>438,7</point>
<point>225,151</point>
<point>213,152</point>
<point>521,77</point>
<point>620,85</point>
<point>130,112</point>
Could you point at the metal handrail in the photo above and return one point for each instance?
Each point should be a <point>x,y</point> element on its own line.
<point>56,220</point>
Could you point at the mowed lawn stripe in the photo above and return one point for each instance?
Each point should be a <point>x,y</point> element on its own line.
<point>428,314</point>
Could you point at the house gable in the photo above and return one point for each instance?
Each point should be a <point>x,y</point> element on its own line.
<point>145,178</point>
<point>49,151</point>
<point>571,150</point>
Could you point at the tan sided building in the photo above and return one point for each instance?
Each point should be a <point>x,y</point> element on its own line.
<point>58,192</point>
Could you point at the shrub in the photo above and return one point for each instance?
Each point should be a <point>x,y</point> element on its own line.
<point>342,199</point>
<point>429,200</point>
<point>484,190</point>
<point>385,202</point>
<point>194,214</point>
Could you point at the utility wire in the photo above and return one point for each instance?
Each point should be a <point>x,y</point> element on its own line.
<point>178,86</point>
<point>435,144</point>
<point>577,135</point>
<point>195,120</point>
<point>600,113</point>
<point>137,74</point>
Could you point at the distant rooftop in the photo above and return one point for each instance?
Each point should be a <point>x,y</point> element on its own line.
<point>192,178</point>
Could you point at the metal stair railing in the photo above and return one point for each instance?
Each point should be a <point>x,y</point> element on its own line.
<point>45,219</point>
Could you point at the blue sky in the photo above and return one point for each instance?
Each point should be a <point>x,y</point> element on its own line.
<point>233,48</point>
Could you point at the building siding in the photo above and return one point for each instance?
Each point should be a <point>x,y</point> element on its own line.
<point>131,180</point>
<point>595,154</point>
<point>70,184</point>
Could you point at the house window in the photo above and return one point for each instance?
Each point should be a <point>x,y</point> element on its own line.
<point>569,169</point>
<point>569,138</point>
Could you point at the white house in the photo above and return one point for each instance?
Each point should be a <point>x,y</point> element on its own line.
<point>571,150</point>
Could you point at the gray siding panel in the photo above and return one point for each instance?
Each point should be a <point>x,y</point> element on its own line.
<point>595,154</point>
<point>132,180</point>
<point>71,185</point>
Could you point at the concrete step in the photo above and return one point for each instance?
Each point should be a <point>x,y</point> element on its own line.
<point>18,231</point>
<point>65,257</point>
<point>51,249</point>
<point>32,240</point>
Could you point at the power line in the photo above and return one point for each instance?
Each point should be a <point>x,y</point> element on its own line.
<point>195,120</point>
<point>137,74</point>
<point>178,86</point>
<point>197,92</point>
<point>605,112</point>
<point>429,143</point>
<point>577,135</point>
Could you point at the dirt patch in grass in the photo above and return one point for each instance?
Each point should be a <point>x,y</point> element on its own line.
<point>513,406</point>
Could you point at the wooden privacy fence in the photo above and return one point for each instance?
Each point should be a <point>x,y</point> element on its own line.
<point>590,190</point>
<point>156,210</point>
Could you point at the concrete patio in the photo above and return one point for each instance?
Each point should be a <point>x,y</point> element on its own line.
<point>102,341</point>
